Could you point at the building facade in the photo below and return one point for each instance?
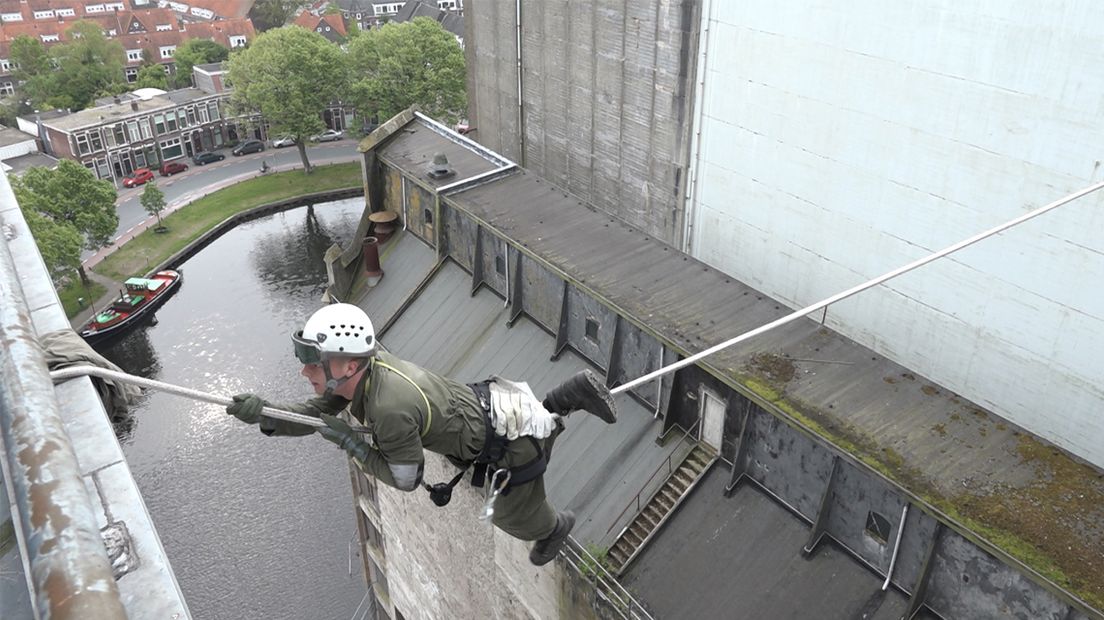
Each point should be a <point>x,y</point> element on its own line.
<point>777,478</point>
<point>806,150</point>
<point>368,14</point>
<point>145,129</point>
<point>148,35</point>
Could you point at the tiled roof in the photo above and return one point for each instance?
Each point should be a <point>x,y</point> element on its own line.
<point>312,22</point>
<point>147,37</point>
<point>336,22</point>
<point>416,8</point>
<point>220,31</point>
<point>148,19</point>
<point>224,8</point>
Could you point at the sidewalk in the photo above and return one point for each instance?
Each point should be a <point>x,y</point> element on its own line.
<point>184,200</point>
<point>104,301</point>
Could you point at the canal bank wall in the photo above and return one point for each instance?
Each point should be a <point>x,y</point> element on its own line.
<point>206,238</point>
<point>178,258</point>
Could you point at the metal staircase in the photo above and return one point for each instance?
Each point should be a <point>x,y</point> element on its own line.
<point>660,507</point>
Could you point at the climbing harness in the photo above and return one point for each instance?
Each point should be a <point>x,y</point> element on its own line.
<point>493,452</point>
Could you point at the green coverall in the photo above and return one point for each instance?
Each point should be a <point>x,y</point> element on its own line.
<point>409,408</point>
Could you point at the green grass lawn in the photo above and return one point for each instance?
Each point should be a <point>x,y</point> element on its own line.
<point>188,223</point>
<point>75,290</point>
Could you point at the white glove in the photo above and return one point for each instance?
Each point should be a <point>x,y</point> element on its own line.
<point>516,412</point>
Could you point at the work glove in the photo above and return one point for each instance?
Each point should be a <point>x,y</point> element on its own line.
<point>516,412</point>
<point>339,432</point>
<point>247,408</point>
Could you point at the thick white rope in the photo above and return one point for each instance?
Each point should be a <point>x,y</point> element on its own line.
<point>852,291</point>
<point>72,372</point>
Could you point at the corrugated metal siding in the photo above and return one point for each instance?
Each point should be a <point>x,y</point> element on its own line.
<point>605,99</point>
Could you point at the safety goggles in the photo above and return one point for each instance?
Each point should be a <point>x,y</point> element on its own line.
<point>306,351</point>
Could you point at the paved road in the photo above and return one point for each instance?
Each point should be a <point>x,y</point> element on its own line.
<point>199,180</point>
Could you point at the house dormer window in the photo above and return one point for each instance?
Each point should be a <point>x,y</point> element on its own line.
<point>43,14</point>
<point>167,51</point>
<point>134,55</point>
<point>164,27</point>
<point>49,38</point>
<point>237,41</point>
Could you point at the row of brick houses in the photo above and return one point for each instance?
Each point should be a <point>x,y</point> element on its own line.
<point>144,128</point>
<point>148,33</point>
<point>150,126</point>
<point>194,10</point>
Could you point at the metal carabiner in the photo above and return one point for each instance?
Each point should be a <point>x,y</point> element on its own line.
<point>499,480</point>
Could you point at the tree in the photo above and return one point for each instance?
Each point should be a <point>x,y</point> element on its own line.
<point>71,74</point>
<point>195,52</point>
<point>68,196</point>
<point>416,62</point>
<point>152,76</point>
<point>269,14</point>
<point>58,242</point>
<point>153,201</point>
<point>288,75</point>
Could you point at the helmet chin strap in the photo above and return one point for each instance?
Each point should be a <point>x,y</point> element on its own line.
<point>332,383</point>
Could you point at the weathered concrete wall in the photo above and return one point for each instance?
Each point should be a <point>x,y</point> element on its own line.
<point>442,562</point>
<point>839,144</point>
<point>605,103</point>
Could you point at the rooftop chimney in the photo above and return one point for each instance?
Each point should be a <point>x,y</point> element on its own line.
<point>134,105</point>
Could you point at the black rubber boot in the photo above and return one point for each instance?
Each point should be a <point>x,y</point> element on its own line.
<point>546,549</point>
<point>582,391</point>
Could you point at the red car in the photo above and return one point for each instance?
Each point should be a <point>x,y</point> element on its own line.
<point>170,168</point>
<point>138,177</point>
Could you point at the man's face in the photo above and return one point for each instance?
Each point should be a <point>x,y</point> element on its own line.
<point>317,376</point>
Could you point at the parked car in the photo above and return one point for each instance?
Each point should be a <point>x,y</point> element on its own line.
<point>249,146</point>
<point>327,136</point>
<point>283,141</point>
<point>170,168</point>
<point>207,157</point>
<point>138,177</point>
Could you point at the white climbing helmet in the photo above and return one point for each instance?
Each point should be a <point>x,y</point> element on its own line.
<point>335,330</point>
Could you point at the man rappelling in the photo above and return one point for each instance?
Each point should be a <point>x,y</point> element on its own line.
<point>495,426</point>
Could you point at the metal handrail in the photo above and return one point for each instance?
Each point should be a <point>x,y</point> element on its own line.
<point>667,463</point>
<point>607,585</point>
<point>60,543</point>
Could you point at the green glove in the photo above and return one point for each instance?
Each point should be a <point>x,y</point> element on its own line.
<point>247,408</point>
<point>339,432</point>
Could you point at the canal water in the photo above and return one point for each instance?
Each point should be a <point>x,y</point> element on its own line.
<point>254,526</point>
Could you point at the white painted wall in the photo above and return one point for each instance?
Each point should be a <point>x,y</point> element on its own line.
<point>15,150</point>
<point>841,140</point>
